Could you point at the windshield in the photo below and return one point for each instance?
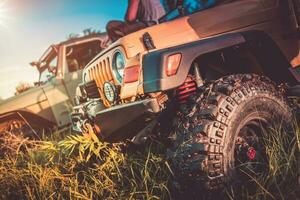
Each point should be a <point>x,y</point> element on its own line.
<point>78,56</point>
<point>48,67</point>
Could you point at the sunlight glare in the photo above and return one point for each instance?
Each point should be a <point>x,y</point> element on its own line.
<point>3,12</point>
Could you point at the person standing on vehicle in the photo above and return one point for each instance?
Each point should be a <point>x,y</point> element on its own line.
<point>140,14</point>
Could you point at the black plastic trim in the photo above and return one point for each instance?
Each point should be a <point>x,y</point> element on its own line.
<point>155,78</point>
<point>274,63</point>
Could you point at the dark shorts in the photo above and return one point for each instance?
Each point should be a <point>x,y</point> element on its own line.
<point>118,29</point>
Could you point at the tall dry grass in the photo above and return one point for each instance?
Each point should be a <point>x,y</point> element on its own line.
<point>82,167</point>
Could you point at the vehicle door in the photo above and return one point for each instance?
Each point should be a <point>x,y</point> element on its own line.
<point>54,89</point>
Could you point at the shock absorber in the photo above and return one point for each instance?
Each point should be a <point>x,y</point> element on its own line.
<point>187,89</point>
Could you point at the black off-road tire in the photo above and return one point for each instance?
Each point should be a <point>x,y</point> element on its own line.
<point>204,140</point>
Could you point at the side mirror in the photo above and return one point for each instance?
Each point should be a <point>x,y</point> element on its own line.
<point>35,64</point>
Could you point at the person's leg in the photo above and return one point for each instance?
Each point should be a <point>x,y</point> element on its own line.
<point>128,28</point>
<point>112,29</point>
<point>118,29</point>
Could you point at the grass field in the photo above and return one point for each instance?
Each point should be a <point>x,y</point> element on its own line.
<point>69,166</point>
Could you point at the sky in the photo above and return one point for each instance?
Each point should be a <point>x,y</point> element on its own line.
<point>28,27</point>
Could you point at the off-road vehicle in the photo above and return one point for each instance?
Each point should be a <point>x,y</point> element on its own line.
<point>216,79</point>
<point>50,102</point>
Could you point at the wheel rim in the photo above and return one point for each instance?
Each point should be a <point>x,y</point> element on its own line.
<point>250,153</point>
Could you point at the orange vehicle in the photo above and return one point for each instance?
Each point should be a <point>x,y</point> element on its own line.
<point>214,80</point>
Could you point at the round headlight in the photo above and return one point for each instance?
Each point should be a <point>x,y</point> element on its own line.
<point>110,92</point>
<point>118,65</point>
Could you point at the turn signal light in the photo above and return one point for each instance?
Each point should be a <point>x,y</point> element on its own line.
<point>131,74</point>
<point>173,63</point>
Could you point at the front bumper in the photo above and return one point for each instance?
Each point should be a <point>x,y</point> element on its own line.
<point>85,113</point>
<point>118,122</point>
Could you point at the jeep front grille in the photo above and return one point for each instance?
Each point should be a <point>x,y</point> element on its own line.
<point>101,73</point>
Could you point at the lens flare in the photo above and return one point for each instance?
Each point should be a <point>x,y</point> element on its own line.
<point>3,12</point>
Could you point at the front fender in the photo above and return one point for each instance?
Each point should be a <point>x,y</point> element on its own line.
<point>154,75</point>
<point>268,54</point>
<point>28,117</point>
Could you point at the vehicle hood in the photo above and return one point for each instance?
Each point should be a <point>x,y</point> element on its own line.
<point>203,24</point>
